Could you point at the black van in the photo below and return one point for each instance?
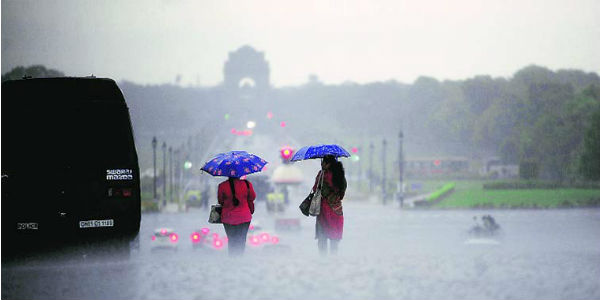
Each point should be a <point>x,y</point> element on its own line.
<point>69,164</point>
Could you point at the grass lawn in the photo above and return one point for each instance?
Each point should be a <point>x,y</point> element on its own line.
<point>470,194</point>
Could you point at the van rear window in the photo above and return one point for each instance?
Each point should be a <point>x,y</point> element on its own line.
<point>87,134</point>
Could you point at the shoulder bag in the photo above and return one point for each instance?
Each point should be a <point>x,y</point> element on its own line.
<point>305,205</point>
<point>215,214</point>
<point>315,203</point>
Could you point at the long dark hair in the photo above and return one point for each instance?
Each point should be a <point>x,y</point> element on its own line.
<point>236,202</point>
<point>337,169</point>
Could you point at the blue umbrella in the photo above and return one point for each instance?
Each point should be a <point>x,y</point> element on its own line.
<point>234,164</point>
<point>319,151</point>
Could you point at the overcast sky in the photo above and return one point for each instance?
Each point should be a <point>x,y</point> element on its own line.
<point>151,41</point>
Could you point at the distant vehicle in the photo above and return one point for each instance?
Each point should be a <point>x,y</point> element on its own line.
<point>69,163</point>
<point>202,238</point>
<point>276,202</point>
<point>164,238</point>
<point>489,228</point>
<point>432,166</point>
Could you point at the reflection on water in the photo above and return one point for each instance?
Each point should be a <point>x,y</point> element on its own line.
<point>386,253</point>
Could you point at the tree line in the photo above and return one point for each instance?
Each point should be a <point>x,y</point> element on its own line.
<point>546,121</point>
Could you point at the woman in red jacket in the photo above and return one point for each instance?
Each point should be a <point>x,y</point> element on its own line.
<point>330,222</point>
<point>237,198</point>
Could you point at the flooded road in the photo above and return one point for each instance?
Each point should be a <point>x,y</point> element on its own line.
<point>386,253</point>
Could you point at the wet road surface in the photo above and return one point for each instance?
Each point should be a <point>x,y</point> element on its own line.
<point>386,253</point>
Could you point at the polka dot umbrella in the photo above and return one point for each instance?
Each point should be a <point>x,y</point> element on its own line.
<point>234,164</point>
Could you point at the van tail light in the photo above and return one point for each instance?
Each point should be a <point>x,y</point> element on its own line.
<point>120,192</point>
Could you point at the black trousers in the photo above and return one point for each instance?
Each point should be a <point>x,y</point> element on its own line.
<point>236,234</point>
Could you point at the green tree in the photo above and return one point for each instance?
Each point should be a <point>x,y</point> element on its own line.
<point>35,71</point>
<point>589,163</point>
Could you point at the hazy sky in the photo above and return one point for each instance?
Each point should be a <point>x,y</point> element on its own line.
<point>151,41</point>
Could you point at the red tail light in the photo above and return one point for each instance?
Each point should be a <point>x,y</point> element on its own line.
<point>254,240</point>
<point>265,237</point>
<point>154,238</point>
<point>275,240</point>
<point>173,237</point>
<point>119,192</point>
<point>127,192</point>
<point>218,244</point>
<point>195,237</point>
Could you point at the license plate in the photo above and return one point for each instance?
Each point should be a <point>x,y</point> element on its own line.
<point>27,226</point>
<point>96,223</point>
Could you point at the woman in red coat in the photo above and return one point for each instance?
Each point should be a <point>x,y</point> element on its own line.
<point>330,222</point>
<point>237,198</point>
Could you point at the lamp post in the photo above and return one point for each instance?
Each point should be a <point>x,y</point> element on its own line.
<point>177,168</point>
<point>400,169</point>
<point>384,179</point>
<point>170,174</point>
<point>359,165</point>
<point>164,195</point>
<point>371,147</point>
<point>154,166</point>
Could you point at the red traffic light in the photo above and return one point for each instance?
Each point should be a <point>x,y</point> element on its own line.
<point>286,152</point>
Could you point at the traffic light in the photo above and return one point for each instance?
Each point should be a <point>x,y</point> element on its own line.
<point>286,153</point>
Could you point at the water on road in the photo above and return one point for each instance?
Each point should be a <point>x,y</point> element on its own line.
<point>386,253</point>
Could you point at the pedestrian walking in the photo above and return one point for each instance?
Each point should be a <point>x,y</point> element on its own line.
<point>235,195</point>
<point>237,199</point>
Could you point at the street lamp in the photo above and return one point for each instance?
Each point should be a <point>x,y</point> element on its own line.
<point>401,169</point>
<point>164,149</point>
<point>170,174</point>
<point>154,166</point>
<point>384,180</point>
<point>371,148</point>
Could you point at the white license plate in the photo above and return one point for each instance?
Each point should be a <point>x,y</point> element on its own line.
<point>27,226</point>
<point>96,223</point>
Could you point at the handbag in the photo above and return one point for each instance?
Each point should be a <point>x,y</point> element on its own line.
<point>305,205</point>
<point>215,214</point>
<point>315,203</point>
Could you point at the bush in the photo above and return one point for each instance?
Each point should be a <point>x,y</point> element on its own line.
<point>537,184</point>
<point>528,169</point>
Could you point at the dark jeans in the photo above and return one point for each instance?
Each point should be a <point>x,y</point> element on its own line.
<point>236,234</point>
